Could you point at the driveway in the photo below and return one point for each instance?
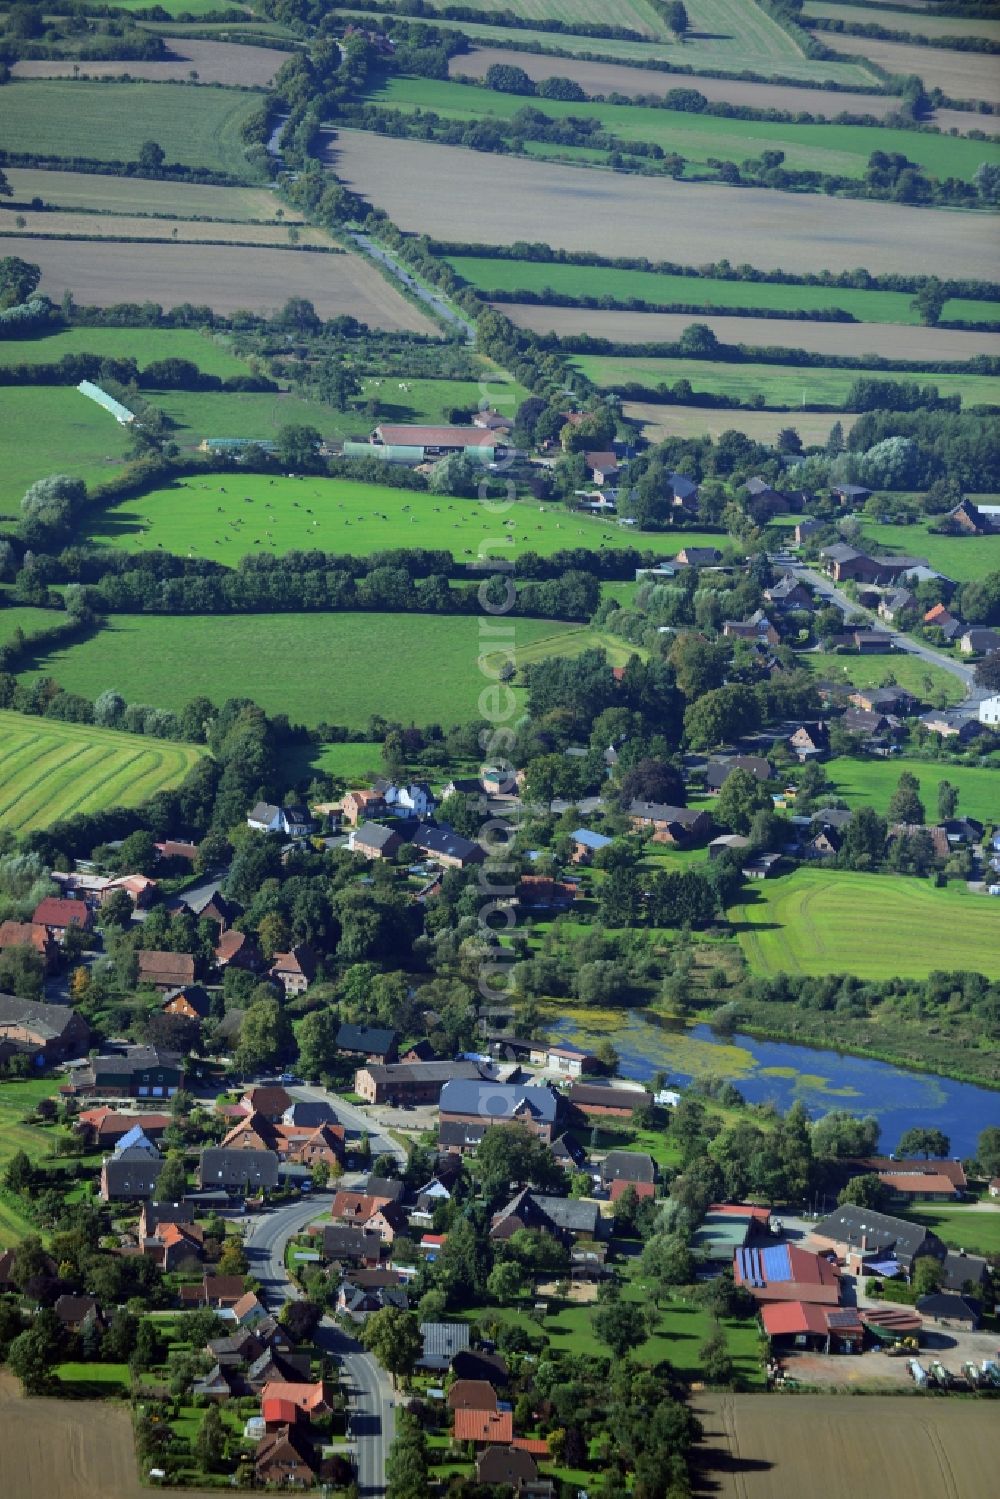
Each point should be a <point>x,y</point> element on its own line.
<point>371,1420</point>
<point>356,1122</point>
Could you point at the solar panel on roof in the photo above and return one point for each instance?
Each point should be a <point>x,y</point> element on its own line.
<point>776,1263</point>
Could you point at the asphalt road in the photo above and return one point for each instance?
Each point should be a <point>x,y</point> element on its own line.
<point>833,595</point>
<point>437,304</point>
<point>371,1405</point>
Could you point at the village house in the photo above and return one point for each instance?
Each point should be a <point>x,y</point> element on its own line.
<point>612,1099</point>
<point>445,847</point>
<point>569,1060</point>
<point>284,1401</point>
<point>633,1167</point>
<point>917,1179</point>
<point>238,1172</point>
<point>896,604</point>
<point>294,970</point>
<point>809,740</point>
<point>104,1127</point>
<point>291,822</point>
<point>483,1427</point>
<point>586,844</point>
<point>269,1100</point>
<point>285,1459</point>
<point>537,1108</point>
<point>59,914</point>
<point>727,843</point>
<point>191,1002</point>
<point>238,950</point>
<point>351,1244</point>
<point>565,1218</point>
<point>173,848</point>
<point>358,805</point>
<point>30,934</point>
<point>894,700</point>
<point>441,1342</point>
<point>76,1313</point>
<point>759,628</point>
<point>861,1236</point>
<point>681,825</point>
<point>788,593</point>
<point>165,970</point>
<point>471,1395</point>
<point>967,518</point>
<point>374,1043</point>
<point>720,769</point>
<point>411,1082</point>
<point>972,643</point>
<point>414,799</point>
<point>134,1072</point>
<point>44,1033</point>
<point>989,712</point>
<point>698,557</point>
<point>372,840</point>
<point>130,1175</point>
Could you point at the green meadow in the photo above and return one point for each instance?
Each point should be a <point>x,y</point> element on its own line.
<point>334,668</point>
<point>197,127</point>
<point>144,345</point>
<point>53,429</point>
<point>841,150</point>
<point>870,783</point>
<point>17,1101</point>
<point>875,926</point>
<point>23,617</point>
<point>227,516</point>
<point>609,283</point>
<point>960,557</point>
<point>780,385</point>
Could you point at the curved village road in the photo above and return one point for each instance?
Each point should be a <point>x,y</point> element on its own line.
<point>371,1404</point>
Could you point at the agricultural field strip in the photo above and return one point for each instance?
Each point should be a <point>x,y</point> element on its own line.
<point>788,62</point>
<point>141,196</point>
<point>836,149</point>
<point>214,61</point>
<point>868,340</point>
<point>144,345</point>
<point>488,275</point>
<point>48,428</point>
<point>197,127</point>
<point>899,20</point>
<point>427,188</point>
<point>60,225</point>
<point>780,385</point>
<point>228,278</point>
<point>659,421</point>
<point>964,76</point>
<point>620,78</point>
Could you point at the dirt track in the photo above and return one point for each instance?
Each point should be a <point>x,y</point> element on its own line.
<point>459,194</point>
<point>614,77</point>
<point>185,200</point>
<point>214,62</point>
<point>858,340</point>
<point>836,1446</point>
<point>223,277</point>
<point>960,75</point>
<point>660,420</point>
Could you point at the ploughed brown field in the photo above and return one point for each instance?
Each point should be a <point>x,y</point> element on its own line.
<point>960,75</point>
<point>224,277</point>
<point>619,78</point>
<point>468,196</point>
<point>835,1446</point>
<point>214,62</point>
<point>858,340</point>
<point>76,1449</point>
<point>119,226</point>
<point>184,200</point>
<point>660,421</point>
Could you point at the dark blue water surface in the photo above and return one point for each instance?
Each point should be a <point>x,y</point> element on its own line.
<point>781,1073</point>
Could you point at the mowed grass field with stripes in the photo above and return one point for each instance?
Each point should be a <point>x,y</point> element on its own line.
<point>874,926</point>
<point>49,770</point>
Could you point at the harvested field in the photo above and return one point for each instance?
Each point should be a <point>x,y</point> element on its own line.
<point>183,200</point>
<point>428,189</point>
<point>50,770</point>
<point>214,62</point>
<point>663,421</point>
<point>636,15</point>
<point>776,1447</point>
<point>857,341</point>
<point>78,1449</point>
<point>964,120</point>
<point>960,75</point>
<point>195,231</point>
<point>619,78</point>
<point>221,277</point>
<point>196,127</point>
<point>901,20</point>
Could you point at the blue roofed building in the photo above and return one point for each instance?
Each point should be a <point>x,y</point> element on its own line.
<point>538,1107</point>
<point>135,1140</point>
<point>586,844</point>
<point>784,1272</point>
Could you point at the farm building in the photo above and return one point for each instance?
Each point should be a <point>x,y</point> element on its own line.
<point>784,1272</point>
<point>804,1324</point>
<point>121,413</point>
<point>438,442</point>
<point>670,824</point>
<point>411,1082</point>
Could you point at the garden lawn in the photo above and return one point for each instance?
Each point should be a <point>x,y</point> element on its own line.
<point>841,150</point>
<point>976,1229</point>
<point>144,345</point>
<point>959,557</point>
<point>196,127</point>
<point>50,769</point>
<point>779,385</point>
<point>489,275</point>
<point>862,783</point>
<point>350,763</point>
<point>22,617</point>
<point>906,671</point>
<point>334,668</point>
<point>874,926</point>
<point>17,1100</point>
<point>208,516</point>
<point>86,1374</point>
<point>48,429</point>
